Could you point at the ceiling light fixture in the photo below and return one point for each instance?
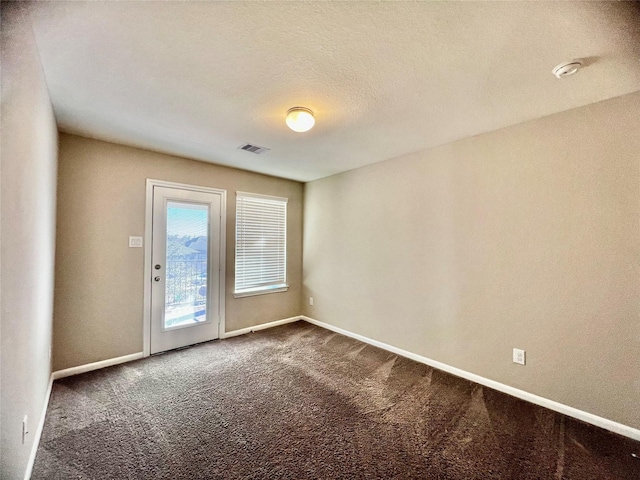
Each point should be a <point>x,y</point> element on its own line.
<point>567,69</point>
<point>300,119</point>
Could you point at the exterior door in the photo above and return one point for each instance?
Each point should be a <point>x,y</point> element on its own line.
<point>186,263</point>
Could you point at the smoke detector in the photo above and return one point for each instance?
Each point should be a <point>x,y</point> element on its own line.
<point>567,69</point>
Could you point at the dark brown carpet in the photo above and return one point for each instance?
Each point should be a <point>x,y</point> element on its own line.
<point>300,402</point>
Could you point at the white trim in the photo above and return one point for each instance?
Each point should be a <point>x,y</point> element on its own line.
<point>610,425</point>
<point>148,230</point>
<point>601,422</point>
<point>67,372</point>
<point>148,273</point>
<point>61,374</point>
<point>262,326</point>
<point>260,291</point>
<point>223,264</point>
<point>38,433</point>
<point>260,195</point>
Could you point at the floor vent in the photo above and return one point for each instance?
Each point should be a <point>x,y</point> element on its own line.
<point>253,148</point>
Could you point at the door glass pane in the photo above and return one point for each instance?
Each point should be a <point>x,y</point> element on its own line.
<point>186,275</point>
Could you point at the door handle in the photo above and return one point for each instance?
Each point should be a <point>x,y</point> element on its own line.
<point>157,279</point>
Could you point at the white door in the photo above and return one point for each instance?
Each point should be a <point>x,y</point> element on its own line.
<point>186,257</point>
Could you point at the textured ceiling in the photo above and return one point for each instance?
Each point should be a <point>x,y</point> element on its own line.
<point>198,79</point>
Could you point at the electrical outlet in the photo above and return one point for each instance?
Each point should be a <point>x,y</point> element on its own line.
<point>311,301</point>
<point>519,356</point>
<point>25,429</point>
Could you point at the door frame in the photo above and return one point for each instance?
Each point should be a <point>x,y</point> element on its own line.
<point>148,266</point>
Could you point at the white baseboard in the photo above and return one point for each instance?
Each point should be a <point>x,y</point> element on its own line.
<point>262,326</point>
<point>38,432</point>
<point>67,372</point>
<point>601,422</point>
<point>61,374</point>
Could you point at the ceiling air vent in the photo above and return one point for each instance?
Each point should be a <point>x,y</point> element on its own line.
<point>253,148</point>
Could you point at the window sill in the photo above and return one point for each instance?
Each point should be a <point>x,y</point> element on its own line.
<point>260,291</point>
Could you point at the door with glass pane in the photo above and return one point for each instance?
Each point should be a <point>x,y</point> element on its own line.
<point>185,280</point>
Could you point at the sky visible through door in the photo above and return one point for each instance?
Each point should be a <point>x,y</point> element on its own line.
<point>186,264</point>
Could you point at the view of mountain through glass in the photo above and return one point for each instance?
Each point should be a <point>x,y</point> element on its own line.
<point>186,265</point>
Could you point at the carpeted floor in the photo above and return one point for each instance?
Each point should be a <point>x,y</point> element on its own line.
<point>301,402</point>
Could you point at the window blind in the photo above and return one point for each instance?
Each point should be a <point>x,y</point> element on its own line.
<point>261,243</point>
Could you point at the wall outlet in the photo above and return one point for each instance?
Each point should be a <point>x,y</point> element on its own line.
<point>519,356</point>
<point>311,301</point>
<point>25,429</point>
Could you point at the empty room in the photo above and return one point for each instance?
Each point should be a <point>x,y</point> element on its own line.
<point>320,239</point>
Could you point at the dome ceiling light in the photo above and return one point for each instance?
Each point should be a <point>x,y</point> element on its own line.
<point>300,119</point>
<point>567,69</point>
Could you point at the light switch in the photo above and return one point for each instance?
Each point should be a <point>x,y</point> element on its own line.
<point>135,242</point>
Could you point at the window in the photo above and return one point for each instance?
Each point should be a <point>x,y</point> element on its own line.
<point>261,244</point>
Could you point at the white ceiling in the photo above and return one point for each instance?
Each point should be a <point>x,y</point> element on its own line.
<point>198,79</point>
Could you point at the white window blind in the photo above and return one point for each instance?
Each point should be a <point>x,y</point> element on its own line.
<point>261,244</point>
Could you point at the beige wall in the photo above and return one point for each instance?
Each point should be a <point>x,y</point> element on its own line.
<point>526,237</point>
<point>99,279</point>
<point>28,199</point>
